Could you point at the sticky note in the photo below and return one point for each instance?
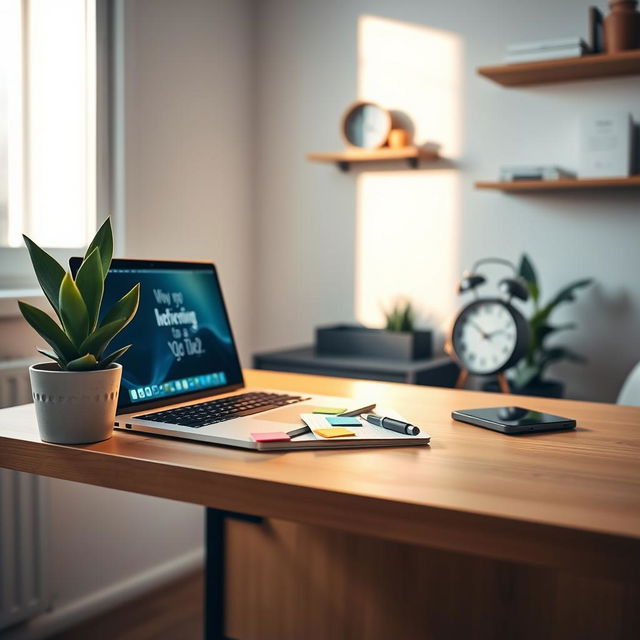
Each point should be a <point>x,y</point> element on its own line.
<point>334,432</point>
<point>343,421</point>
<point>329,410</point>
<point>270,436</point>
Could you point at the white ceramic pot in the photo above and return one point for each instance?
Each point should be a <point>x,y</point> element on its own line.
<point>75,407</point>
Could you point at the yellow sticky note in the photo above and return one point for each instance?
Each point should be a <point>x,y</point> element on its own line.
<point>329,410</point>
<point>334,432</point>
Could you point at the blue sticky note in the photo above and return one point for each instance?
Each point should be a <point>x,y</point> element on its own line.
<point>343,421</point>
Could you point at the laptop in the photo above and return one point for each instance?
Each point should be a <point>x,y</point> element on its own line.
<point>182,376</point>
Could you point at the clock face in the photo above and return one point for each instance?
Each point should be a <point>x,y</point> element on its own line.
<point>367,125</point>
<point>489,336</point>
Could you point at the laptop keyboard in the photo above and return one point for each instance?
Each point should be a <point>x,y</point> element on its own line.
<point>205,413</point>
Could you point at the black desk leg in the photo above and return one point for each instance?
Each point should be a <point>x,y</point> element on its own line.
<point>214,569</point>
<point>214,575</point>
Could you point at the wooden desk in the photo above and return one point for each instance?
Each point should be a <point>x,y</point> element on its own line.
<point>540,530</point>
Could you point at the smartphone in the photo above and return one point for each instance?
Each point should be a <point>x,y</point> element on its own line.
<point>513,420</point>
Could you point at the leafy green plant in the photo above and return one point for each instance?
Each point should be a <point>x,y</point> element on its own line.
<point>540,355</point>
<point>400,317</point>
<point>78,340</point>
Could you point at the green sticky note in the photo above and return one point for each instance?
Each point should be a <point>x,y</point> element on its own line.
<point>332,411</point>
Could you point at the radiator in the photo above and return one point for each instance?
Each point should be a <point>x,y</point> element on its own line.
<point>23,520</point>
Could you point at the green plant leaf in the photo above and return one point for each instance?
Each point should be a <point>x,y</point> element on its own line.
<point>112,357</point>
<point>560,353</point>
<point>48,271</point>
<point>52,355</point>
<point>564,295</point>
<point>49,330</point>
<point>125,308</point>
<point>73,311</point>
<point>400,317</point>
<point>528,272</point>
<point>406,321</point>
<point>87,362</point>
<point>104,241</point>
<point>538,357</point>
<point>525,374</point>
<point>546,330</point>
<point>526,269</point>
<point>543,331</point>
<point>116,319</point>
<point>567,294</point>
<point>90,281</point>
<point>99,340</point>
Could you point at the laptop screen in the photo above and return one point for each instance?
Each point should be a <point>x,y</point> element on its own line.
<point>181,337</point>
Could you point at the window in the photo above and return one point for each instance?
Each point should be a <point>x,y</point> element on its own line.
<point>47,123</point>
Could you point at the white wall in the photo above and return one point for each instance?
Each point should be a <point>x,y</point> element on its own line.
<point>188,136</point>
<point>309,253</point>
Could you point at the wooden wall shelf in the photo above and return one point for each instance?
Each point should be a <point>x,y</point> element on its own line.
<point>600,65</point>
<point>562,185</point>
<point>343,159</point>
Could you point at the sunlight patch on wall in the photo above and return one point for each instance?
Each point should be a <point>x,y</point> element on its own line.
<point>407,239</point>
<point>407,221</point>
<point>417,70</point>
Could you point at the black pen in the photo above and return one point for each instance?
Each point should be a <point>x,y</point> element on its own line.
<point>392,424</point>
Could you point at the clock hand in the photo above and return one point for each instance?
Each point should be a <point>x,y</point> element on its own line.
<point>495,333</point>
<point>482,333</point>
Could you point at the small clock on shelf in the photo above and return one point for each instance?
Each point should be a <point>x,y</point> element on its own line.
<point>490,335</point>
<point>366,125</point>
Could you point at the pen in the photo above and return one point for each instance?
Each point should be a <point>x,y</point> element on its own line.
<point>392,424</point>
<point>357,412</point>
<point>299,431</point>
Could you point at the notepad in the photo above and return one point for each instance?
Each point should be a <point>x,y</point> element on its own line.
<point>366,435</point>
<point>319,433</point>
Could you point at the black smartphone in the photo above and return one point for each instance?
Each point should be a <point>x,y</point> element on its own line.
<point>513,420</point>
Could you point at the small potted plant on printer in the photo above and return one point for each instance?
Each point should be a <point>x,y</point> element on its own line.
<point>399,340</point>
<point>528,375</point>
<point>76,394</point>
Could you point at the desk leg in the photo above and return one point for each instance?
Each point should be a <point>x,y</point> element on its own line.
<point>214,575</point>
<point>214,569</point>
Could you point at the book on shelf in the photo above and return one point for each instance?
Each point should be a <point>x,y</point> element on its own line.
<point>513,173</point>
<point>606,144</point>
<point>596,30</point>
<point>544,45</point>
<point>546,54</point>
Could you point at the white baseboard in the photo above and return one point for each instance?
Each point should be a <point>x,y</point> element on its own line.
<point>100,601</point>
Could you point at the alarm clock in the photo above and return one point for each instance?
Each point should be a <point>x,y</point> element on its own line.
<point>490,335</point>
<point>366,125</point>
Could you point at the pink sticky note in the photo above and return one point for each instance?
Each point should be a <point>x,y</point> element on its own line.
<point>273,436</point>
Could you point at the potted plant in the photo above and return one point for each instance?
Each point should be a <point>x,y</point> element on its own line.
<point>528,375</point>
<point>399,340</point>
<point>76,395</point>
<point>400,317</point>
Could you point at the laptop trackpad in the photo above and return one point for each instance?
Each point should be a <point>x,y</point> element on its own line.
<point>287,415</point>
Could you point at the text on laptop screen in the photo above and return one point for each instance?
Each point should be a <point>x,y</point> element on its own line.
<point>181,338</point>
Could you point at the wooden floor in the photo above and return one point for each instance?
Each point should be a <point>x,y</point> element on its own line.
<point>174,611</point>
